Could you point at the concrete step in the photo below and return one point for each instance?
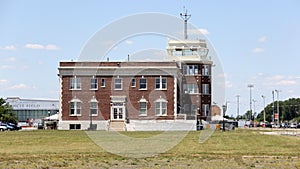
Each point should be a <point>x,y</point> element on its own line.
<point>117,126</point>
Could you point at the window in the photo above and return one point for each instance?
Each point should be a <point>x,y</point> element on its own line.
<point>161,83</point>
<point>118,84</point>
<point>75,107</point>
<point>75,126</point>
<point>94,84</point>
<point>190,69</point>
<point>190,88</point>
<point>205,70</point>
<point>75,83</point>
<point>102,82</point>
<point>93,107</point>
<point>205,109</point>
<point>133,82</point>
<point>205,88</point>
<point>161,107</point>
<point>193,109</point>
<point>143,84</point>
<point>143,107</point>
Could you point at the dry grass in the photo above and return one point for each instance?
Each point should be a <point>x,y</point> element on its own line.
<point>74,149</point>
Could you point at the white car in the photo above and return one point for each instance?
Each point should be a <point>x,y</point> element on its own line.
<point>3,128</point>
<point>293,125</point>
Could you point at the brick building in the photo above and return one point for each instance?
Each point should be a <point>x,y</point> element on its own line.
<point>173,94</point>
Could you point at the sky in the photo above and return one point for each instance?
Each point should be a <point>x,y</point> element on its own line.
<point>257,42</point>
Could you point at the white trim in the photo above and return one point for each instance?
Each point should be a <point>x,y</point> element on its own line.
<point>96,83</point>
<point>118,83</point>
<point>115,67</point>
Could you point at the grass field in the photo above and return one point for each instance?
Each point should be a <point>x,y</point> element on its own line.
<point>74,149</point>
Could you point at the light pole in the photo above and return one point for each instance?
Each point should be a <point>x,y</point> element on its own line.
<point>238,106</point>
<point>264,98</point>
<point>224,111</point>
<point>273,107</point>
<point>250,87</point>
<point>277,91</point>
<point>254,110</point>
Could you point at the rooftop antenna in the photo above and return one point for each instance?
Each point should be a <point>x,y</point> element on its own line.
<point>185,18</point>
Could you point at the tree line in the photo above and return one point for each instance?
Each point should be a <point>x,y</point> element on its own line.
<point>289,110</point>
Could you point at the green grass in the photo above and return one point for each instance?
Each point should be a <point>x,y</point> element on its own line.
<point>74,149</point>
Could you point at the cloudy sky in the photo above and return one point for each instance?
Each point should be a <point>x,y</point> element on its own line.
<point>256,41</point>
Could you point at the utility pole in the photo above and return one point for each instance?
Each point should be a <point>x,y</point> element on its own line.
<point>277,91</point>
<point>254,110</point>
<point>238,106</point>
<point>264,98</point>
<point>273,120</point>
<point>250,87</point>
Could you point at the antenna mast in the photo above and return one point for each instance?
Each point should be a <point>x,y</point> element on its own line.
<point>185,18</point>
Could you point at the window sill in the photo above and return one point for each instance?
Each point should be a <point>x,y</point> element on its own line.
<point>142,89</point>
<point>143,115</point>
<point>193,93</point>
<point>75,115</point>
<point>161,89</point>
<point>94,89</point>
<point>75,89</point>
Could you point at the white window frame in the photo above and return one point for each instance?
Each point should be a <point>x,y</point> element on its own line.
<point>143,83</point>
<point>121,83</point>
<point>160,83</point>
<point>143,101</point>
<point>75,83</point>
<point>205,70</point>
<point>102,82</point>
<point>94,83</point>
<point>190,70</point>
<point>161,107</point>
<point>205,109</point>
<point>77,107</point>
<point>93,101</point>
<point>205,89</point>
<point>133,82</point>
<point>191,88</point>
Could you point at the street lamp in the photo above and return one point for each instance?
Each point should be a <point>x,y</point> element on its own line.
<point>264,98</point>
<point>250,87</point>
<point>224,111</point>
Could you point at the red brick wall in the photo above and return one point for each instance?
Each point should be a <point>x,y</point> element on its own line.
<point>133,95</point>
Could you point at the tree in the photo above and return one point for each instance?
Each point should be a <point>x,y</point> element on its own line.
<point>6,112</point>
<point>289,109</point>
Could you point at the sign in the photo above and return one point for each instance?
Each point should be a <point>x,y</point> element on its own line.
<point>276,116</point>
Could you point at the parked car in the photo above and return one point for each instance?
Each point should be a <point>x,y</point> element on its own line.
<point>298,126</point>
<point>268,125</point>
<point>293,125</point>
<point>285,125</point>
<point>3,127</point>
<point>11,126</point>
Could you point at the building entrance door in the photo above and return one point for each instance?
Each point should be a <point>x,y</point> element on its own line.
<point>117,108</point>
<point>118,113</point>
